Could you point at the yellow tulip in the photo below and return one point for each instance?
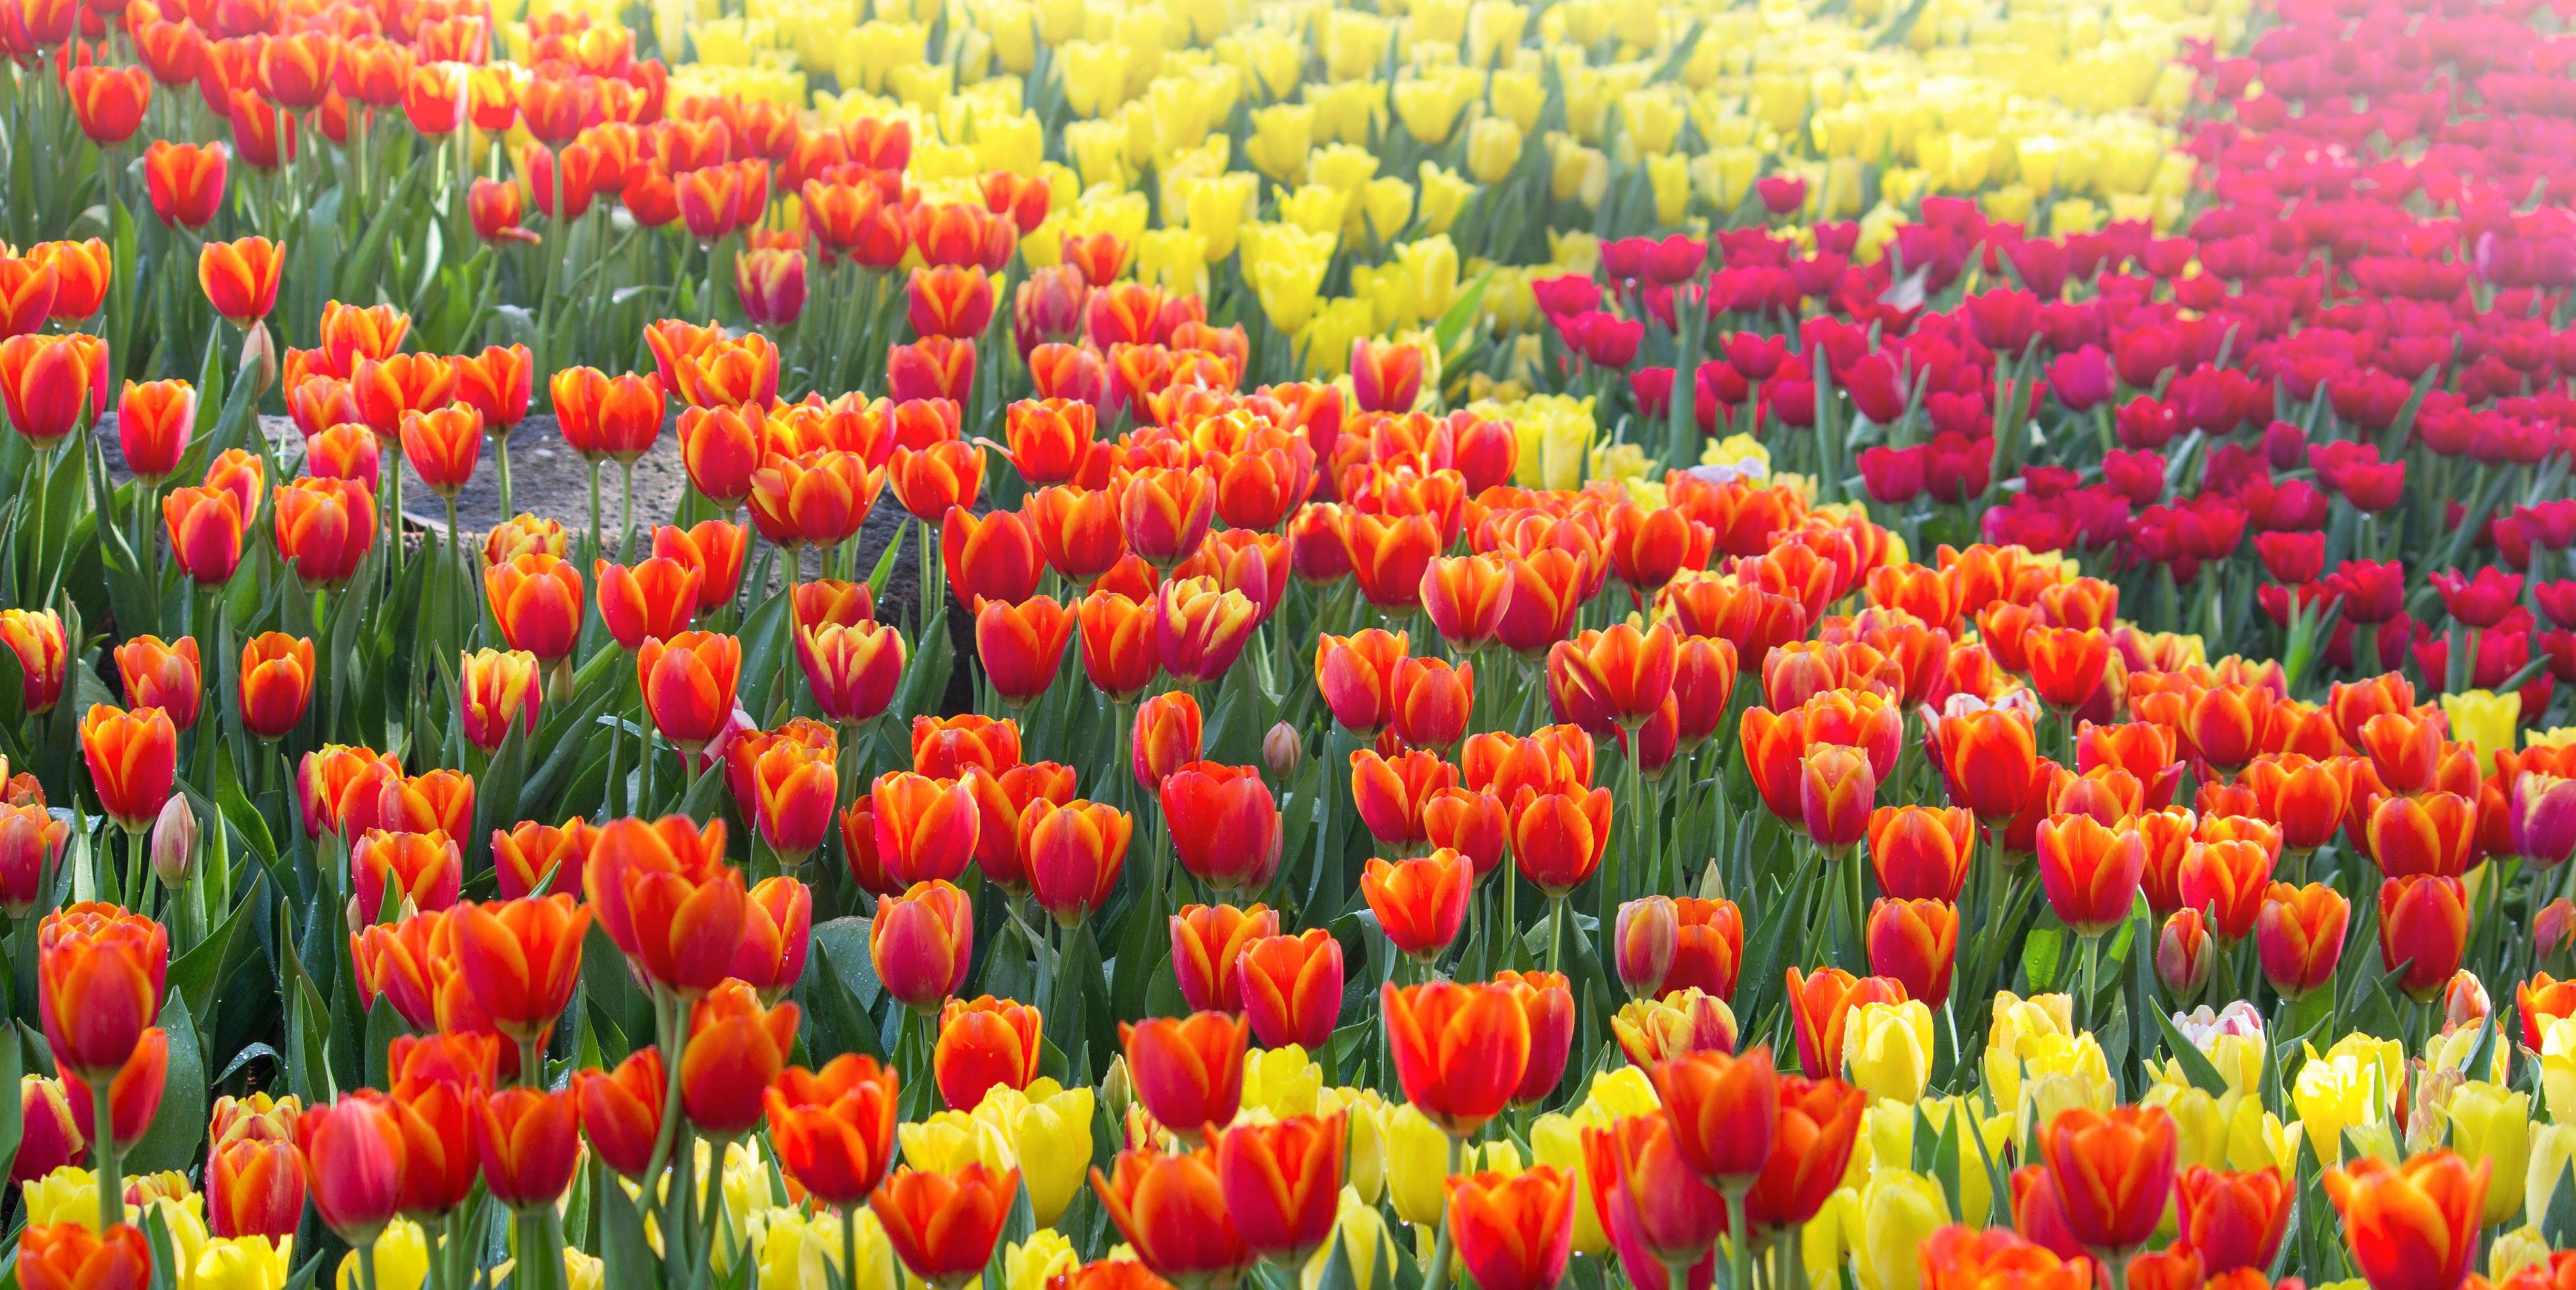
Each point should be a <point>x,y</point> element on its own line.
<point>1899,1210</point>
<point>1365,1110</point>
<point>1361,1232</point>
<point>2484,720</point>
<point>2492,1124</point>
<point>1832,1237</point>
<point>2552,1151</point>
<point>1268,58</point>
<point>1354,42</point>
<point>1555,432</point>
<point>1429,270</point>
<point>1575,171</point>
<point>1494,31</point>
<point>1493,148</point>
<point>2063,1074</point>
<point>2018,1026</point>
<point>2201,1127</point>
<point>400,1256</point>
<point>1347,112</point>
<point>2513,1251</point>
<point>948,1140</point>
<point>1013,26</point>
<point>1574,251</point>
<point>1030,1264</point>
<point>1444,195</point>
<point>2256,1138</point>
<point>1049,1128</point>
<point>1517,97</point>
<point>1383,209</point>
<point>1215,208</point>
<point>797,1251</point>
<point>1324,347</point>
<point>1281,136</point>
<point>2334,1092</point>
<point>1417,1165</point>
<point>1651,119</point>
<point>242,1263</point>
<point>1429,108</point>
<point>1315,208</point>
<point>1099,152</point>
<point>1669,177</point>
<point>1282,1081</point>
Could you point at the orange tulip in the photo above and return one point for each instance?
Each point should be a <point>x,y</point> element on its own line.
<point>666,898</point>
<point>523,856</point>
<point>521,958</point>
<point>1837,787</point>
<point>2435,833</point>
<point>324,529</point>
<point>355,1152</point>
<point>2090,871</point>
<point>529,1144</point>
<point>1173,1209</point>
<point>984,1043</point>
<point>536,600</point>
<point>1915,942</point>
<point>133,760</point>
<point>1389,555</point>
<point>1820,1119</point>
<point>133,1096</point>
<point>1420,904</point>
<point>1077,529</point>
<point>254,1187</point>
<point>162,674</point>
<point>1921,852</point>
<point>1356,675</point>
<point>1725,1112</point>
<point>835,1128</point>
<point>1987,758</point>
<point>1074,852</point>
<point>1188,1072</point>
<point>68,1256</point>
<point>1163,513</point>
<point>1652,1203</point>
<point>99,976</point>
<point>1963,1258</point>
<point>922,942</point>
<point>1224,824</point>
<point>1392,792</point>
<point>2414,1224</point>
<point>240,278</point>
<point>443,446</point>
<point>621,1110</point>
<point>736,1048</point>
<point>276,683</point>
<point>931,480</point>
<point>652,597</point>
<point>2228,879</point>
<point>926,829</point>
<point>1022,645</point>
<point>205,530</point>
<point>2424,926</point>
<point>1459,1049</point>
<point>943,748</point>
<point>817,499</point>
<point>1291,988</point>
<point>2224,724</point>
<point>1050,439</point>
<point>688,685</point>
<point>495,691</point>
<point>2113,1173</point>
<point>1206,942</point>
<point>1430,701</point>
<point>1119,654</point>
<point>2233,1220</point>
<point>944,1226</point>
<point>31,843</point>
<point>1167,737</point>
<point>1622,675</point>
<point>1516,1231</point>
<point>1559,838</point>
<point>1282,1182</point>
<point>418,870</point>
<point>605,418</point>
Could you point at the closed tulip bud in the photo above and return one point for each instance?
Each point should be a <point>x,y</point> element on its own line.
<point>1119,654</point>
<point>688,685</point>
<point>174,842</point>
<point>36,637</point>
<point>324,529</point>
<point>276,683</point>
<point>983,1044</point>
<point>205,529</point>
<point>254,1188</point>
<point>1987,758</point>
<point>521,959</point>
<point>240,278</point>
<point>926,829</point>
<point>1921,852</point>
<point>1725,1112</point>
<point>1022,646</point>
<point>2184,955</point>
<point>355,1153</point>
<point>2424,928</point>
<point>621,1110</point>
<point>736,1048</point>
<point>529,1145</point>
<point>154,421</point>
<point>162,674</point>
<point>1164,512</point>
<point>1281,1182</point>
<point>1167,737</point>
<point>1291,988</point>
<point>31,842</point>
<point>1516,1231</point>
<point>1074,852</point>
<point>653,597</point>
<point>2113,1173</point>
<point>1887,1049</point>
<point>1916,942</point>
<point>1644,940</point>
<point>1558,839</point>
<point>1837,788</point>
<point>922,942</point>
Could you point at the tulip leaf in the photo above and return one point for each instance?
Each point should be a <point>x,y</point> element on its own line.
<point>12,1125</point>
<point>195,974</point>
<point>171,1142</point>
<point>1945,1156</point>
<point>1338,1273</point>
<point>2558,1226</point>
<point>627,1257</point>
<point>839,998</point>
<point>2042,954</point>
<point>1016,1228</point>
<point>2196,1065</point>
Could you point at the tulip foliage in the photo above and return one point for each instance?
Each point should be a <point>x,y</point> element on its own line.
<point>1659,642</point>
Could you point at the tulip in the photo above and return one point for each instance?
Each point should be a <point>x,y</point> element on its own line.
<point>1987,757</point>
<point>2233,1220</point>
<point>496,691</point>
<point>1821,1005</point>
<point>31,843</point>
<point>276,684</point>
<point>1224,825</point>
<point>735,1048</point>
<point>653,597</point>
<point>389,869</point>
<point>2090,871</point>
<point>205,529</point>
<point>523,856</point>
<point>1917,943</point>
<point>1119,653</point>
<point>48,384</point>
<point>1459,1050</point>
<point>1645,940</point>
<point>1420,904</point>
<point>1022,646</point>
<point>185,181</point>
<point>1623,673</point>
<point>1921,852</point>
<point>1206,942</point>
<point>667,900</point>
<point>157,674</point>
<point>922,942</point>
<point>1650,1199</point>
<point>1682,1022</point>
<point>528,1145</point>
<point>1388,556</point>
<point>254,1188</point>
<point>1513,1232</point>
<point>1558,839</point>
<point>943,1226</point>
<point>1725,1112</point>
<point>1466,597</point>
<point>1836,789</point>
<point>1819,1122</point>
<point>240,278</point>
<point>1074,852</point>
<point>521,958</point>
<point>2431,834</point>
<point>1174,1210</point>
<point>1077,529</point>
<point>2414,1224</point>
<point>1167,737</point>
<point>983,1044</point>
<point>1356,675</point>
<point>2424,927</point>
<point>133,760</point>
<point>1281,1182</point>
<point>154,421</point>
<point>925,829</point>
<point>1549,1003</point>
<point>1200,629</point>
<point>621,1110</point>
<point>2541,817</point>
<point>688,686</point>
<point>2298,936</point>
<point>324,529</point>
<point>2113,1174</point>
<point>835,1128</point>
<point>2184,954</point>
<point>1291,988</point>
<point>355,1154</point>
<point>69,1256</point>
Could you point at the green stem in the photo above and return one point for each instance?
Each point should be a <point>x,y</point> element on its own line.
<point>1555,933</point>
<point>1739,1242</point>
<point>104,1154</point>
<point>1437,1275</point>
<point>626,510</point>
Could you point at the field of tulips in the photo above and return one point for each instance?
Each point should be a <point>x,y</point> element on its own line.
<point>1310,644</point>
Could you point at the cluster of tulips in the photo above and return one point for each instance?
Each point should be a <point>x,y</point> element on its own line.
<point>1524,645</point>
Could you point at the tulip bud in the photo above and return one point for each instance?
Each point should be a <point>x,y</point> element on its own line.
<point>1117,1090</point>
<point>1282,750</point>
<point>2554,929</point>
<point>174,842</point>
<point>2183,954</point>
<point>1647,935</point>
<point>259,355</point>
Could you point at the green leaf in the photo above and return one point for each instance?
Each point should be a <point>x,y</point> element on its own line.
<point>2042,954</point>
<point>196,973</point>
<point>171,1142</point>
